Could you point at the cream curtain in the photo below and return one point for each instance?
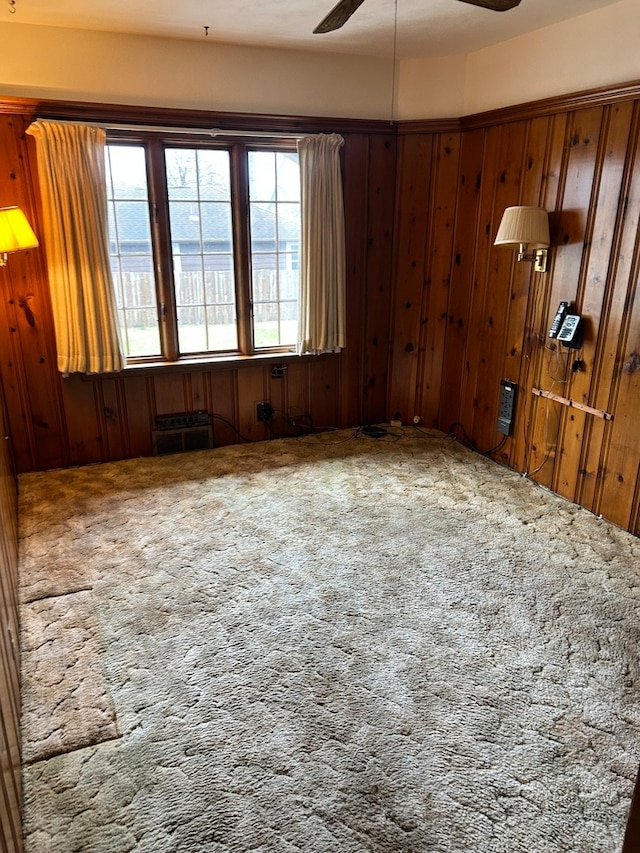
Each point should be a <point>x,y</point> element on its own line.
<point>322,267</point>
<point>71,169</point>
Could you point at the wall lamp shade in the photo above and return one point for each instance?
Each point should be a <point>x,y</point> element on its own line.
<point>15,233</point>
<point>527,230</point>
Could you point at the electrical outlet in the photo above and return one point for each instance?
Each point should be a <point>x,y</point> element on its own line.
<point>264,412</point>
<point>507,406</point>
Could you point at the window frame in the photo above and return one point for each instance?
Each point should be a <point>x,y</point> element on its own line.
<point>154,144</point>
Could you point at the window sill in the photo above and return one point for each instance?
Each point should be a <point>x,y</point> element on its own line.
<point>214,363</point>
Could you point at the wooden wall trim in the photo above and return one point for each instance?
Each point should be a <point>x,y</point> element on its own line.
<point>162,116</point>
<point>444,125</point>
<point>599,97</point>
<point>81,110</point>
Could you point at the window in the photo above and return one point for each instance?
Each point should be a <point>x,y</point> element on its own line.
<point>204,246</point>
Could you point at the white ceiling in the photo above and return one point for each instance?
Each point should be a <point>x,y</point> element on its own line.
<point>425,27</point>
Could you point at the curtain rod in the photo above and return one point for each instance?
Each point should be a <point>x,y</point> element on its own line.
<point>192,131</point>
<point>208,131</point>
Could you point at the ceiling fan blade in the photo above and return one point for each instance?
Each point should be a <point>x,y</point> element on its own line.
<point>494,5</point>
<point>338,16</point>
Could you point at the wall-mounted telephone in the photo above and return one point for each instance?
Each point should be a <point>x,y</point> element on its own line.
<point>566,327</point>
<point>571,331</point>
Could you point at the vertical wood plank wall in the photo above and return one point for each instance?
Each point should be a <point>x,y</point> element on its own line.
<point>463,314</point>
<point>436,316</point>
<point>57,422</point>
<point>10,773</point>
<point>467,315</point>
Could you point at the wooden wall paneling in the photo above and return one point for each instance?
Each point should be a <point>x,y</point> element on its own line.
<point>477,394</point>
<point>9,643</point>
<point>470,186</point>
<point>620,493</point>
<point>412,217</point>
<point>278,396</point>
<point>9,605</point>
<point>252,388</point>
<point>575,164</point>
<point>42,382</point>
<point>197,392</point>
<point>84,428</point>
<point>478,284</point>
<point>9,569</point>
<point>223,396</point>
<point>137,413</point>
<point>14,382</point>
<point>10,670</point>
<point>618,387</point>
<point>8,497</point>
<point>634,527</point>
<point>72,423</point>
<point>198,395</point>
<point>10,805</point>
<point>472,353</point>
<point>298,403</point>
<point>375,322</point>
<point>10,768</point>
<point>324,379</point>
<point>10,758</point>
<point>603,292</point>
<point>571,227</point>
<point>435,292</point>
<point>597,295</point>
<point>112,413</point>
<point>632,832</point>
<point>543,437</point>
<point>170,393</point>
<point>571,263</point>
<point>591,232</point>
<point>498,298</point>
<point>356,169</point>
<point>544,297</point>
<point>526,289</point>
<point>10,615</point>
<point>30,319</point>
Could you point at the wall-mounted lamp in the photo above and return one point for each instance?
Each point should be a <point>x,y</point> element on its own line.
<point>15,233</point>
<point>527,230</point>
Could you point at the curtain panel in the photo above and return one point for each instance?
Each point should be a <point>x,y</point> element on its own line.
<point>322,253</point>
<point>71,169</point>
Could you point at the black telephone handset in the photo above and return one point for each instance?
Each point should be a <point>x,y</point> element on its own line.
<point>558,320</point>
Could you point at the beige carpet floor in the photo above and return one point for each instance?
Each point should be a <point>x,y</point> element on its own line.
<point>330,645</point>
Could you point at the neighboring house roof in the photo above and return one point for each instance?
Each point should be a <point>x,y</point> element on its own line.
<point>133,222</point>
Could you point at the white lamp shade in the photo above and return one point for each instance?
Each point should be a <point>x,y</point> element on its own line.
<point>15,231</point>
<point>524,226</point>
